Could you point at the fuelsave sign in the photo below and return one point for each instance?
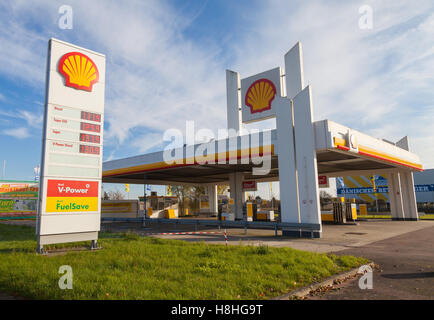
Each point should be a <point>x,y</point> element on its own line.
<point>65,196</point>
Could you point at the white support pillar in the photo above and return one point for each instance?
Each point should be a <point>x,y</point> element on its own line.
<point>294,73</point>
<point>409,196</point>
<point>212,198</point>
<point>237,194</point>
<point>305,159</point>
<point>302,171</point>
<point>233,96</point>
<point>409,202</point>
<point>289,206</point>
<point>240,195</point>
<point>395,196</point>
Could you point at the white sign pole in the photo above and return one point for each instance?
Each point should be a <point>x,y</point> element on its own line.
<point>69,203</point>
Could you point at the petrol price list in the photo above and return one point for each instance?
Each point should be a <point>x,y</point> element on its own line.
<point>77,126</point>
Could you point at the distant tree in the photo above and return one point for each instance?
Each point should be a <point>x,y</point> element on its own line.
<point>115,195</point>
<point>258,200</point>
<point>196,192</point>
<point>106,196</point>
<point>222,188</point>
<point>274,202</point>
<point>182,193</point>
<point>324,197</point>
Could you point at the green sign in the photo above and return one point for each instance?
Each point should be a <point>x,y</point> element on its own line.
<point>6,205</point>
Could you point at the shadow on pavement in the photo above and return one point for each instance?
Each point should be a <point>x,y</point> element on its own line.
<point>419,275</point>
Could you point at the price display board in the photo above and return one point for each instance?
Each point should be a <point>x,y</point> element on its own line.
<point>69,201</point>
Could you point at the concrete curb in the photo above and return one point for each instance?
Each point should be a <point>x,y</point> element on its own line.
<point>302,292</point>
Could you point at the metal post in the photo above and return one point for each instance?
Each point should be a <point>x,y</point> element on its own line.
<point>40,249</point>
<point>144,200</point>
<point>94,245</point>
<point>4,170</point>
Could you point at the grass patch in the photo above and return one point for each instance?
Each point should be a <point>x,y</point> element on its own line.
<point>427,217</point>
<point>132,267</point>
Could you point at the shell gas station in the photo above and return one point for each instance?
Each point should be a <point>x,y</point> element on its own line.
<point>302,192</point>
<point>296,153</point>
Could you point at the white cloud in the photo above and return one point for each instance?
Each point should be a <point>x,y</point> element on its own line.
<point>373,80</point>
<point>144,143</point>
<point>33,119</point>
<point>23,49</point>
<point>19,133</point>
<point>379,81</point>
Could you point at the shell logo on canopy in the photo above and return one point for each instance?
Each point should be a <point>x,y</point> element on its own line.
<point>260,95</point>
<point>79,71</point>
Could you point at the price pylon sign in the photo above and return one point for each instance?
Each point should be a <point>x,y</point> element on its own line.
<point>69,206</point>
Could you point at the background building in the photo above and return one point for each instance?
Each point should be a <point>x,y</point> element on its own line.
<point>362,188</point>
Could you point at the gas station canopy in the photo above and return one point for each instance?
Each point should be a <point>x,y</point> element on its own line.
<point>340,151</point>
<point>294,153</point>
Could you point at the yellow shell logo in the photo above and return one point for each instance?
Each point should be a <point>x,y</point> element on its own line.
<point>79,71</point>
<point>260,95</point>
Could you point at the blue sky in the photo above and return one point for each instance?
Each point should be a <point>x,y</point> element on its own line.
<point>166,64</point>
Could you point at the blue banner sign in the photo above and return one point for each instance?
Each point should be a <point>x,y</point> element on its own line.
<point>417,188</point>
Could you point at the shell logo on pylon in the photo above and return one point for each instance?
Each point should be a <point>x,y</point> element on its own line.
<point>79,71</point>
<point>260,95</point>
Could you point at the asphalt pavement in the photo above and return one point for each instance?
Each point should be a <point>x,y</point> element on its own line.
<point>406,269</point>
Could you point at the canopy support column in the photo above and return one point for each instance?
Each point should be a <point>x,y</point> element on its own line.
<point>409,196</point>
<point>395,196</point>
<point>237,194</point>
<point>212,198</point>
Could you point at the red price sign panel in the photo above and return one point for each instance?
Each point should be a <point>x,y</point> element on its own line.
<point>90,116</point>
<point>84,137</point>
<point>323,181</point>
<point>89,149</point>
<point>249,186</point>
<point>90,127</point>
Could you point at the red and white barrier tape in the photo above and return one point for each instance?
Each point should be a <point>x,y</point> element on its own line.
<point>179,233</point>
